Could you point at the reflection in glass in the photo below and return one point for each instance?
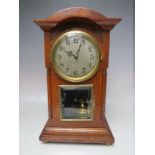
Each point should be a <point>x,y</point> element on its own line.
<point>76,101</point>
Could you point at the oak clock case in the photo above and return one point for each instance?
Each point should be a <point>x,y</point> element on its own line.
<point>76,58</point>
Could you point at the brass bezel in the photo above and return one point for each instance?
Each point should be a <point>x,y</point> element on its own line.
<point>73,87</point>
<point>82,78</point>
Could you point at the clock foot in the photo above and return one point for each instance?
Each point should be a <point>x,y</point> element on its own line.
<point>45,142</point>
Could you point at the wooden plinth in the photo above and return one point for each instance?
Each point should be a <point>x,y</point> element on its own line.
<point>98,135</point>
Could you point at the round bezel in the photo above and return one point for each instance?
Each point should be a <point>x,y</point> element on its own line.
<point>89,74</point>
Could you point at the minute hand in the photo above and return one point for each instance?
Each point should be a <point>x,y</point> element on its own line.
<point>77,53</point>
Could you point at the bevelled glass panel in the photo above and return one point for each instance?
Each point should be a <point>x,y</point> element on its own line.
<point>76,102</point>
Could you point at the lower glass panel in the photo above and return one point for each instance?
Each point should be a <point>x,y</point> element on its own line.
<point>76,102</point>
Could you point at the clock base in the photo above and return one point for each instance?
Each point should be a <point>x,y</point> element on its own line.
<point>95,135</point>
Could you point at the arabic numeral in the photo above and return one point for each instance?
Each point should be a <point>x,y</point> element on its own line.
<point>61,64</point>
<point>76,40</point>
<point>67,69</point>
<point>89,65</point>
<point>59,56</point>
<point>91,57</point>
<point>83,70</point>
<point>75,72</point>
<point>62,48</point>
<point>83,42</point>
<point>90,48</point>
<point>67,42</point>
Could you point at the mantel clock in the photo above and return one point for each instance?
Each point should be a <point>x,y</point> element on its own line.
<point>76,58</point>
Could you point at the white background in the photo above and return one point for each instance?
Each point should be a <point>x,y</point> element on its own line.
<point>144,82</point>
<point>120,81</point>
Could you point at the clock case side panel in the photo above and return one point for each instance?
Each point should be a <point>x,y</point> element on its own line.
<point>48,70</point>
<point>105,46</point>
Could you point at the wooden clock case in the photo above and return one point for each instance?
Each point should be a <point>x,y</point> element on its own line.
<point>99,26</point>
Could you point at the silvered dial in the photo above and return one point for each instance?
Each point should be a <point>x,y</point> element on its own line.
<point>75,56</point>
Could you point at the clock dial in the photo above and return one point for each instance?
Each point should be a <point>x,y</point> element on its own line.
<point>75,56</point>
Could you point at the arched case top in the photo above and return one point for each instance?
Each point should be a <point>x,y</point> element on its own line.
<point>77,12</point>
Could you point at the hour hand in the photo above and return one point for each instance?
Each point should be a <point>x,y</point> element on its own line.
<point>70,53</point>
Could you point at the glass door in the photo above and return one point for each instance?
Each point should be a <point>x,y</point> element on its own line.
<point>76,102</point>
